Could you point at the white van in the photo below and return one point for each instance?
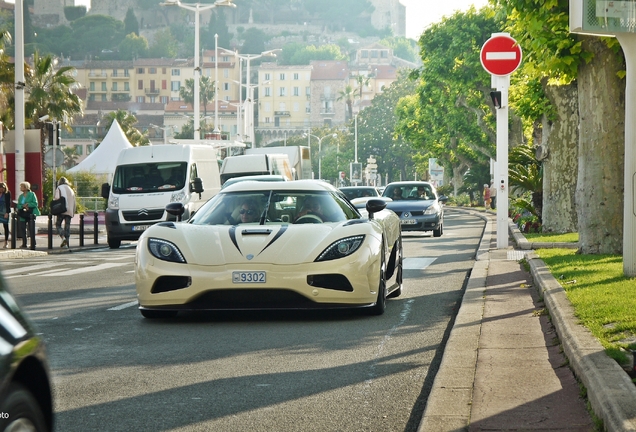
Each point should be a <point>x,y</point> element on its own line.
<point>256,164</point>
<point>148,178</point>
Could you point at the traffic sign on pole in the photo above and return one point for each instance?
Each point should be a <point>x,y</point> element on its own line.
<point>500,55</point>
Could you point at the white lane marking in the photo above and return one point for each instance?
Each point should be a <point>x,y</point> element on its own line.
<point>124,306</point>
<point>87,269</point>
<point>42,273</point>
<point>507,55</point>
<point>417,263</point>
<point>29,268</point>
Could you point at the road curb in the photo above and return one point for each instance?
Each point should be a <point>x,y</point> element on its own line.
<point>450,399</point>
<point>610,391</point>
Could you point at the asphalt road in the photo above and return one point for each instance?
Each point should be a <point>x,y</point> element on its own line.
<point>266,371</point>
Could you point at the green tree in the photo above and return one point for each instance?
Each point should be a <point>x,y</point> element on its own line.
<point>127,122</point>
<point>164,45</point>
<point>254,41</point>
<point>216,25</point>
<point>133,47</point>
<point>377,136</point>
<point>301,54</point>
<point>597,68</point>
<point>451,117</point>
<point>93,33</point>
<point>525,174</point>
<point>131,25</point>
<point>402,47</point>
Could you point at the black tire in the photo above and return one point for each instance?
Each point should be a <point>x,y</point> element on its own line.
<point>439,231</point>
<point>155,314</point>
<point>22,411</point>
<point>380,305</point>
<point>113,243</point>
<point>399,279</point>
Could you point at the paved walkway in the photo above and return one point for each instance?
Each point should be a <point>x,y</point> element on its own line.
<point>514,351</point>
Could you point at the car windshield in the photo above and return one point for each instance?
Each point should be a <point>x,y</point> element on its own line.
<point>231,208</point>
<point>147,177</point>
<point>409,192</point>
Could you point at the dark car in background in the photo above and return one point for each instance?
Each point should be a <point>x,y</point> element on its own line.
<point>26,402</point>
<point>418,205</point>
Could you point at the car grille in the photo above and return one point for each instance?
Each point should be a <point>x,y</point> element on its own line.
<point>139,216</point>
<point>413,213</point>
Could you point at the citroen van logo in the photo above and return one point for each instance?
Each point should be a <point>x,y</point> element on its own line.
<point>143,212</point>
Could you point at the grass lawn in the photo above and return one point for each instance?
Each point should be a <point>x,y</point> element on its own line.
<point>604,299</point>
<point>552,238</point>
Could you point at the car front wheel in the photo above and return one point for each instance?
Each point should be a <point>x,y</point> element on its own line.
<point>23,411</point>
<point>380,304</point>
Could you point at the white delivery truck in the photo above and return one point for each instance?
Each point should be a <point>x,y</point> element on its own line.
<point>256,164</point>
<point>148,178</point>
<point>299,158</point>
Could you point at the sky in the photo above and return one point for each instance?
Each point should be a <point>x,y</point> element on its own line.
<point>419,13</point>
<point>422,13</point>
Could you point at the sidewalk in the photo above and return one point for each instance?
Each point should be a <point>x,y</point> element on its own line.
<point>505,365</point>
<point>42,239</point>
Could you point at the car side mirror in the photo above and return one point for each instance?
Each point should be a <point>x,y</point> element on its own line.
<point>105,190</point>
<point>443,199</point>
<point>374,206</point>
<point>196,186</point>
<point>175,209</point>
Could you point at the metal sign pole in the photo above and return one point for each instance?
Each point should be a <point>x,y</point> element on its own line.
<point>502,83</point>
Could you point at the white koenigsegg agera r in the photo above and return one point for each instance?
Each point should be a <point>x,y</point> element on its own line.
<point>271,245</point>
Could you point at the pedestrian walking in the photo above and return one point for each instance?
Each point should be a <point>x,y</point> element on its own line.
<point>27,206</point>
<point>486,196</point>
<point>5,211</point>
<point>65,190</point>
<point>493,195</point>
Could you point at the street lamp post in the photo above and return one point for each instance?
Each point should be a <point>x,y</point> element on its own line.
<point>320,150</point>
<point>197,8</point>
<point>217,130</point>
<point>249,100</point>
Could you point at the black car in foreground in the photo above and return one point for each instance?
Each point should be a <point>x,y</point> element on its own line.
<point>26,402</point>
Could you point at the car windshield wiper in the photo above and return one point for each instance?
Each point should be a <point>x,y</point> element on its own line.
<point>264,214</point>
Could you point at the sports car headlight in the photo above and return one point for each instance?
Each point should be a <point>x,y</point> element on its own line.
<point>341,248</point>
<point>433,209</point>
<point>178,196</point>
<point>165,250</point>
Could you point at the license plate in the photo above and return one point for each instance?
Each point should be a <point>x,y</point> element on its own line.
<point>408,221</point>
<point>248,277</point>
<point>140,227</point>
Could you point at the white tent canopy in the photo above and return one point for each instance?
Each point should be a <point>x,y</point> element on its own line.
<point>103,159</point>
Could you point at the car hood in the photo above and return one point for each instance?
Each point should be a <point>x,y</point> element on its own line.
<point>284,244</point>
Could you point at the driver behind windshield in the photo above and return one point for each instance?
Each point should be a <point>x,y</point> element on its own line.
<point>248,211</point>
<point>311,206</point>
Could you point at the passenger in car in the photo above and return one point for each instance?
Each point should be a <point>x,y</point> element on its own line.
<point>397,194</point>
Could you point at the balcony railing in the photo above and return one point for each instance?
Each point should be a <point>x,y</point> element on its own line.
<point>152,91</point>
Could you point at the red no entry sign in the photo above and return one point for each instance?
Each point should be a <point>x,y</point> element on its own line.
<point>500,55</point>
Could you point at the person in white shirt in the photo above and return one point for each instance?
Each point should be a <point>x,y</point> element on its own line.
<point>64,190</point>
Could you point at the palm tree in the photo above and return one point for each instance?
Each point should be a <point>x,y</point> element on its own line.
<point>70,157</point>
<point>7,73</point>
<point>362,81</point>
<point>127,122</point>
<point>525,175</point>
<point>206,92</point>
<point>347,94</point>
<point>50,92</point>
